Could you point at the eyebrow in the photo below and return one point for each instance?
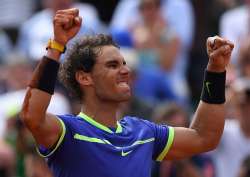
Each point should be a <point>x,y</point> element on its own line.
<point>114,62</point>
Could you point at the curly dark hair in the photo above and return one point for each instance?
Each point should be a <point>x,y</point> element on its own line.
<point>81,56</point>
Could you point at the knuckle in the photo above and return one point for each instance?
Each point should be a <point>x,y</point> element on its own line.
<point>212,55</point>
<point>70,16</point>
<point>56,18</point>
<point>59,11</point>
<point>216,36</point>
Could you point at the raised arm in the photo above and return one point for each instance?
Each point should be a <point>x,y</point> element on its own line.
<point>46,128</point>
<point>208,122</point>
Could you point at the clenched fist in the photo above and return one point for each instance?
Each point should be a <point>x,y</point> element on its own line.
<point>219,51</point>
<point>66,25</point>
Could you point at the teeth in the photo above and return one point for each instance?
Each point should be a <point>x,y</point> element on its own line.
<point>123,84</point>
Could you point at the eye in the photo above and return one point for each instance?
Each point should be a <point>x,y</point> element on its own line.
<point>113,64</point>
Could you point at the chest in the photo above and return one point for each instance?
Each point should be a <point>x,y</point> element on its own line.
<point>115,146</point>
<point>111,155</point>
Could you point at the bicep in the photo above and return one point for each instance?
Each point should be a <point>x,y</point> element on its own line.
<point>48,133</point>
<point>186,143</point>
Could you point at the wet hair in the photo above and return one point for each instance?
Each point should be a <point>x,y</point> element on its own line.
<point>81,56</point>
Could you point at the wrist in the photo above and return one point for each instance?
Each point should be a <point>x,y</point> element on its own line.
<point>53,54</point>
<point>216,69</point>
<point>213,90</point>
<point>61,42</point>
<point>45,74</point>
<point>55,48</point>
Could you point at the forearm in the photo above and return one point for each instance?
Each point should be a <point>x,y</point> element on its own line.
<point>37,100</point>
<point>208,123</point>
<point>209,118</point>
<point>53,54</point>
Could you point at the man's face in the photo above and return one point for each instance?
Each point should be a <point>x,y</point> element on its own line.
<point>111,76</point>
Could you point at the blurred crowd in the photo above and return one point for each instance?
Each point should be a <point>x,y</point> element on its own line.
<point>163,42</point>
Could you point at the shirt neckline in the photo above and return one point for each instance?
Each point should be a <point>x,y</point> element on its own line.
<point>99,125</point>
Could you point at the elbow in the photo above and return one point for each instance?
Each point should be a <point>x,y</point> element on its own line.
<point>34,108</point>
<point>213,139</point>
<point>26,114</point>
<point>213,145</point>
<point>26,118</point>
<point>210,144</point>
<point>29,119</point>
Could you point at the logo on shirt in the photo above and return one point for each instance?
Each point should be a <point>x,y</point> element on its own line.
<point>126,153</point>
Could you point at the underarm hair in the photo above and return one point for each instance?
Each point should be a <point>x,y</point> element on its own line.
<point>45,74</point>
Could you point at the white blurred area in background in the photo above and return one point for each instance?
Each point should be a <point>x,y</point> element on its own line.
<point>14,12</point>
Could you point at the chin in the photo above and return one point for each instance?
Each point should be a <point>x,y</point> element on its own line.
<point>125,97</point>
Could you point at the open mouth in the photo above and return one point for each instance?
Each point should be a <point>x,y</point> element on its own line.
<point>123,82</point>
<point>124,85</point>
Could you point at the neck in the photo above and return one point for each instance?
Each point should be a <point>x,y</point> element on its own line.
<point>101,111</point>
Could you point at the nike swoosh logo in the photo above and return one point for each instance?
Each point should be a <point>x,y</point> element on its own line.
<point>126,153</point>
<point>208,89</point>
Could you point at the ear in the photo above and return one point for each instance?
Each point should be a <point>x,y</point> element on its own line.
<point>83,78</point>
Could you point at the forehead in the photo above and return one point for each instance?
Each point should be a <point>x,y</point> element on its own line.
<point>109,53</point>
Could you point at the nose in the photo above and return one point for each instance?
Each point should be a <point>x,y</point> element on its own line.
<point>125,70</point>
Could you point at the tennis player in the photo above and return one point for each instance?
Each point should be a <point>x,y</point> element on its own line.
<point>94,143</point>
